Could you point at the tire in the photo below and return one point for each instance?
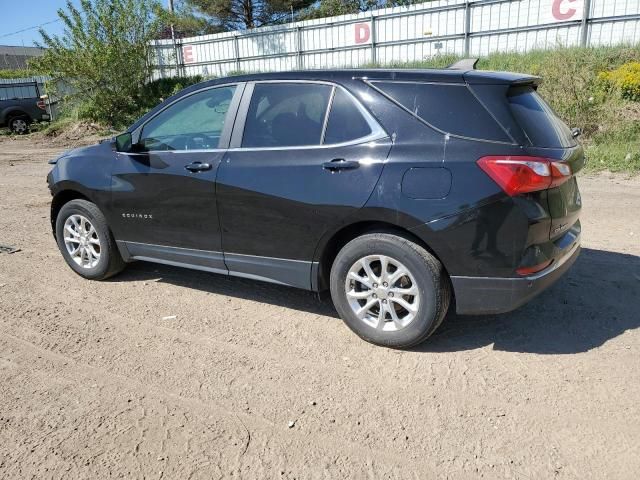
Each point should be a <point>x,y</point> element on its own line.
<point>108,262</point>
<point>19,125</point>
<point>425,279</point>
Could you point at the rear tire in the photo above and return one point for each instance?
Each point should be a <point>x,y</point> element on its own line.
<point>19,125</point>
<point>389,290</point>
<point>85,241</point>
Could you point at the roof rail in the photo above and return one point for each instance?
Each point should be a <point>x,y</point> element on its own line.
<point>464,64</point>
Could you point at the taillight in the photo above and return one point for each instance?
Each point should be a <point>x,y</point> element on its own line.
<point>41,105</point>
<point>518,174</point>
<point>533,269</point>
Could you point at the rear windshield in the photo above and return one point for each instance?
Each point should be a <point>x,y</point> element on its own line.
<point>538,121</point>
<point>451,108</point>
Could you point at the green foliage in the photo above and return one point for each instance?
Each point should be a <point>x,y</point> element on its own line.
<point>18,73</point>
<point>103,56</point>
<point>159,90</point>
<point>243,14</point>
<point>625,79</point>
<point>330,8</point>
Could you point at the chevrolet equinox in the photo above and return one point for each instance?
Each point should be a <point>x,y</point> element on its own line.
<point>402,192</point>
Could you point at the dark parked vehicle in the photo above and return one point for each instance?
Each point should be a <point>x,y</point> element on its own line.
<point>21,105</point>
<point>403,192</point>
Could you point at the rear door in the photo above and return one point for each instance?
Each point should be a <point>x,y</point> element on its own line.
<point>303,156</point>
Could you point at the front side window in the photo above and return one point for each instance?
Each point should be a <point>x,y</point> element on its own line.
<point>286,115</point>
<point>193,123</point>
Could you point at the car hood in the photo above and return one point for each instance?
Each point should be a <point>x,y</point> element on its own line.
<point>88,151</point>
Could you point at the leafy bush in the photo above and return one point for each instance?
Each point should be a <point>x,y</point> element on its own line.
<point>161,89</point>
<point>17,73</point>
<point>626,79</point>
<point>103,56</point>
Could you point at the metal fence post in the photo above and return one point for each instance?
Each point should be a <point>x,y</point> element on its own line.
<point>236,51</point>
<point>299,47</point>
<point>179,59</point>
<point>374,54</point>
<point>467,26</point>
<point>584,29</point>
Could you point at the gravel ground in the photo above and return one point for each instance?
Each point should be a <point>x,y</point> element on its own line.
<point>169,373</point>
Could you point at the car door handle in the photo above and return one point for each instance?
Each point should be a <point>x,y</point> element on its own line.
<point>198,167</point>
<point>340,164</point>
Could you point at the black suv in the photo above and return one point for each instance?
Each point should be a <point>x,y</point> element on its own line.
<point>21,105</point>
<point>400,191</point>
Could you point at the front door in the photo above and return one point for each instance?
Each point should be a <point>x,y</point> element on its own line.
<point>163,194</point>
<point>308,156</point>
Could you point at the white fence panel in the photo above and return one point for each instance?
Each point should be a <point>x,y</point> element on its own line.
<point>406,34</point>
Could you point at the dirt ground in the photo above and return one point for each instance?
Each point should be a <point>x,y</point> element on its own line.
<point>169,373</point>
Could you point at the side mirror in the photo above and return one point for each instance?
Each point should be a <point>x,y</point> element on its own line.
<point>123,142</point>
<point>576,132</point>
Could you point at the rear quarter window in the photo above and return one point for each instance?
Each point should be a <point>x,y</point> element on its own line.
<point>451,108</point>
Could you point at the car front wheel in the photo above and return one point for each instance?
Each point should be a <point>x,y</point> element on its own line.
<point>85,241</point>
<point>389,290</point>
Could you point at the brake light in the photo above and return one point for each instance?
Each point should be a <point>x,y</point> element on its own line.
<point>41,105</point>
<point>519,174</point>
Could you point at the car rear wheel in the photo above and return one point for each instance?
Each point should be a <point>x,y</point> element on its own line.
<point>85,241</point>
<point>389,290</point>
<point>19,125</point>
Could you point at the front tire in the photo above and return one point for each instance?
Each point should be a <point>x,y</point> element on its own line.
<point>85,241</point>
<point>389,290</point>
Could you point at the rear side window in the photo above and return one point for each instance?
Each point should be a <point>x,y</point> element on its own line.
<point>451,108</point>
<point>286,115</point>
<point>538,121</point>
<point>346,122</point>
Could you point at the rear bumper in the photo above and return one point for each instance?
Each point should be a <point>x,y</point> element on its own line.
<point>488,295</point>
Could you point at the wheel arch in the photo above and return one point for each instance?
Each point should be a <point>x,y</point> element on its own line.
<point>59,200</point>
<point>329,250</point>
<point>11,113</point>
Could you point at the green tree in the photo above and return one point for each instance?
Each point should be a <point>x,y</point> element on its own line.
<point>330,8</point>
<point>243,14</point>
<point>104,57</point>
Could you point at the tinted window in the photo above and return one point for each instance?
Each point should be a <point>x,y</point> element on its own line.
<point>195,122</point>
<point>286,115</point>
<point>15,92</point>
<point>345,122</point>
<point>538,121</point>
<point>448,107</point>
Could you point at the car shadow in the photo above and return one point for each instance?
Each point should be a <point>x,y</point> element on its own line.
<point>596,301</point>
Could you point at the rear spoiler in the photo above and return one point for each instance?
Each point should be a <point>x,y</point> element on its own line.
<point>464,64</point>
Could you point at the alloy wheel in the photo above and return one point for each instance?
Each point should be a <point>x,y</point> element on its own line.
<point>382,292</point>
<point>82,241</point>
